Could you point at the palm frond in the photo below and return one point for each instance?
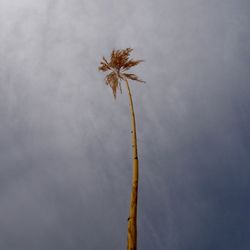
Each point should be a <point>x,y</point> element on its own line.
<point>118,64</point>
<point>104,65</point>
<point>131,63</point>
<point>112,81</point>
<point>133,77</point>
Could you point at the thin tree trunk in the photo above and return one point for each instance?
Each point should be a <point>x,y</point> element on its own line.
<point>132,220</point>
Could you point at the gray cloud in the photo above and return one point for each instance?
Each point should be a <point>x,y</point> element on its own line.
<point>65,167</point>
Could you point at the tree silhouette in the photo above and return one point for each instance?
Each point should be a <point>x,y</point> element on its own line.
<point>117,72</point>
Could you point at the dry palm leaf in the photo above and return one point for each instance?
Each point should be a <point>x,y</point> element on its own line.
<point>117,66</point>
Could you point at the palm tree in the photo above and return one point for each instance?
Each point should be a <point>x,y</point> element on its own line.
<point>117,72</point>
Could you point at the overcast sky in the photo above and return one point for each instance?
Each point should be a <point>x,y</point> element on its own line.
<point>65,155</point>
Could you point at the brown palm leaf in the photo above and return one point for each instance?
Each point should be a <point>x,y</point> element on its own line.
<point>118,64</point>
<point>113,81</point>
<point>133,77</point>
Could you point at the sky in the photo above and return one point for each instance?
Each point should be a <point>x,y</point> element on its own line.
<point>65,149</point>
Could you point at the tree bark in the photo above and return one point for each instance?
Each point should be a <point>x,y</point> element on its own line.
<point>132,220</point>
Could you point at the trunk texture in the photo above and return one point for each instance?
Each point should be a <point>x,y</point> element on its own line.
<point>132,220</point>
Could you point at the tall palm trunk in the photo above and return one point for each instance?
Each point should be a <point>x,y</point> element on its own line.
<point>132,225</point>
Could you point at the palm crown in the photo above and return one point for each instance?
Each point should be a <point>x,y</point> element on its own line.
<point>117,67</point>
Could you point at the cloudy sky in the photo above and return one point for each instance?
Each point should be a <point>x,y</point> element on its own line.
<point>65,156</point>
